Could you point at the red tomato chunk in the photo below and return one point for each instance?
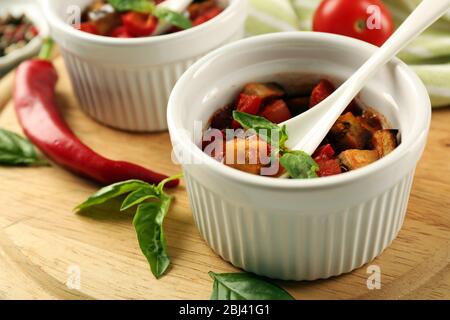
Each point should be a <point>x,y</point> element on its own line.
<point>100,18</point>
<point>357,139</point>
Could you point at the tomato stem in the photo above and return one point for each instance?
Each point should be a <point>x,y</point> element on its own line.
<point>360,25</point>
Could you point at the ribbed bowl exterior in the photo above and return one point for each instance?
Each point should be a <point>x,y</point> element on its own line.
<point>126,83</point>
<point>133,99</point>
<point>297,245</point>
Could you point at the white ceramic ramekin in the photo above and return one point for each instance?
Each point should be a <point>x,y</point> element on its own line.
<point>298,229</point>
<point>125,83</point>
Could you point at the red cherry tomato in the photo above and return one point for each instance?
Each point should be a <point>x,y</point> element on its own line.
<point>277,112</point>
<point>367,20</point>
<point>89,27</point>
<point>139,24</point>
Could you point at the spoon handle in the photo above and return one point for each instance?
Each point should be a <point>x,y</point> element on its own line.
<point>421,18</point>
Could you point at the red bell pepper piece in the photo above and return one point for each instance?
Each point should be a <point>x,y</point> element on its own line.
<point>208,15</point>
<point>249,104</point>
<point>328,167</point>
<point>276,112</point>
<point>324,152</point>
<point>34,31</point>
<point>35,105</point>
<point>120,32</point>
<point>320,92</point>
<point>139,24</point>
<point>89,27</point>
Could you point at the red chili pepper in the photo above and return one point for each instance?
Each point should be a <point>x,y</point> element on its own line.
<point>35,104</point>
<point>139,24</point>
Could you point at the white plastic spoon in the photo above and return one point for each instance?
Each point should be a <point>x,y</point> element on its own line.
<point>307,131</point>
<point>174,5</point>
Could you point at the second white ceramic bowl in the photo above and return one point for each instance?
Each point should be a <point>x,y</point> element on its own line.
<point>125,83</point>
<point>298,229</point>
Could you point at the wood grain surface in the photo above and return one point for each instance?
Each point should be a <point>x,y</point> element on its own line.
<point>42,241</point>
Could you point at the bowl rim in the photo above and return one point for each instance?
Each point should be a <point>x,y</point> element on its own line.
<point>185,142</point>
<point>56,22</point>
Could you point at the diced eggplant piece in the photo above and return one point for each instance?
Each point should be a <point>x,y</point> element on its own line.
<point>96,5</point>
<point>104,17</point>
<point>264,90</point>
<point>354,159</point>
<point>372,119</point>
<point>384,141</point>
<point>354,108</point>
<point>349,133</point>
<point>298,105</point>
<point>222,118</point>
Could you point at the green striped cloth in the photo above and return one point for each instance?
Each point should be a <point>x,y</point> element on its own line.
<point>429,55</point>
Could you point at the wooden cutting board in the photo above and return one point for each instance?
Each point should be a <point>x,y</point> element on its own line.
<point>43,244</point>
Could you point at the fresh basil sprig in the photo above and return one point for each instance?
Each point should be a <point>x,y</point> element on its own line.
<point>177,19</point>
<point>144,6</point>
<point>18,151</point>
<point>245,286</point>
<point>149,217</point>
<point>299,165</point>
<point>276,135</point>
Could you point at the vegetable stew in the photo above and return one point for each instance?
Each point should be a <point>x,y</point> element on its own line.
<point>359,137</point>
<point>140,18</point>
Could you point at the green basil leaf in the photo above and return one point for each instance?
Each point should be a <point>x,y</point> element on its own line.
<point>143,6</point>
<point>148,223</point>
<point>299,165</point>
<point>149,217</point>
<point>18,151</point>
<point>175,18</point>
<point>245,286</point>
<point>110,192</point>
<point>274,134</point>
<point>139,196</point>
